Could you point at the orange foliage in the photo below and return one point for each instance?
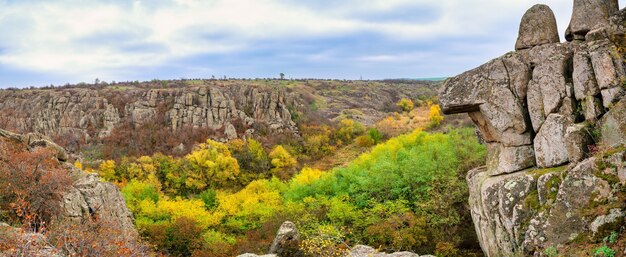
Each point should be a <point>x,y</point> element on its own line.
<point>32,184</point>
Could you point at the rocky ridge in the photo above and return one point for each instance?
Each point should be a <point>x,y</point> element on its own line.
<point>94,113</point>
<point>539,109</point>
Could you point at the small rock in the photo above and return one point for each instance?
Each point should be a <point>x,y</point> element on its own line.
<point>615,216</point>
<point>604,69</point>
<point>362,251</point>
<point>504,159</point>
<point>592,108</point>
<point>577,139</point>
<point>611,95</point>
<point>230,131</point>
<point>254,255</point>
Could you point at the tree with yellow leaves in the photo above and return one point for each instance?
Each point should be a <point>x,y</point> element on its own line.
<point>282,161</point>
<point>107,170</point>
<point>435,115</point>
<point>349,129</point>
<point>405,104</point>
<point>212,165</point>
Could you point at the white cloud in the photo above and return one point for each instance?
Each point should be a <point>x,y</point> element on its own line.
<point>90,38</point>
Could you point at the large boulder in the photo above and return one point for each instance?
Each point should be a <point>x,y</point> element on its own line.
<point>368,251</point>
<point>492,95</point>
<point>588,15</point>
<point>549,85</point>
<point>612,126</point>
<point>538,27</point>
<point>90,197</point>
<point>584,79</point>
<point>550,146</point>
<point>286,237</point>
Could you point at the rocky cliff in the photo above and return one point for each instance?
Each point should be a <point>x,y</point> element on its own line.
<point>96,111</point>
<point>170,116</point>
<point>552,115</point>
<point>88,196</point>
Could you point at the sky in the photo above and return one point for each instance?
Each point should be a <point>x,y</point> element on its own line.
<point>71,41</point>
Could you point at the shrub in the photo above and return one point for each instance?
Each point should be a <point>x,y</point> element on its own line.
<point>434,115</point>
<point>604,251</point>
<point>349,129</point>
<point>375,135</point>
<point>282,161</point>
<point>31,185</point>
<point>405,104</point>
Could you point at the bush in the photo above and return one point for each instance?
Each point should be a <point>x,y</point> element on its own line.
<point>405,104</point>
<point>435,115</point>
<point>31,185</point>
<point>349,129</point>
<point>282,162</point>
<point>364,141</point>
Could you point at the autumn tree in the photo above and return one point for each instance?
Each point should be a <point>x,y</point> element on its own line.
<point>349,129</point>
<point>282,161</point>
<point>435,115</point>
<point>405,104</point>
<point>212,165</point>
<point>32,183</point>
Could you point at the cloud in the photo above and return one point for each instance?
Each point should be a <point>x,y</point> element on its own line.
<point>81,40</point>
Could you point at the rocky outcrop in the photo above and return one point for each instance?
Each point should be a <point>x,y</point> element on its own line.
<point>88,197</point>
<point>538,27</point>
<point>539,110</point>
<point>286,236</point>
<point>587,15</point>
<point>96,112</point>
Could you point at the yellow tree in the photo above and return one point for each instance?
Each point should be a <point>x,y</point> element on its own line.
<point>435,115</point>
<point>282,161</point>
<point>107,170</point>
<point>212,165</point>
<point>349,129</point>
<point>405,104</point>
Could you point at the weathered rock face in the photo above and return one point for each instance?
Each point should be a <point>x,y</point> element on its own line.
<point>88,196</point>
<point>95,112</point>
<point>537,109</point>
<point>588,15</point>
<point>287,235</point>
<point>538,27</point>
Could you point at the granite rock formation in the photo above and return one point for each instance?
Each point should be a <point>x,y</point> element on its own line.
<point>91,112</point>
<point>539,109</point>
<point>88,195</point>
